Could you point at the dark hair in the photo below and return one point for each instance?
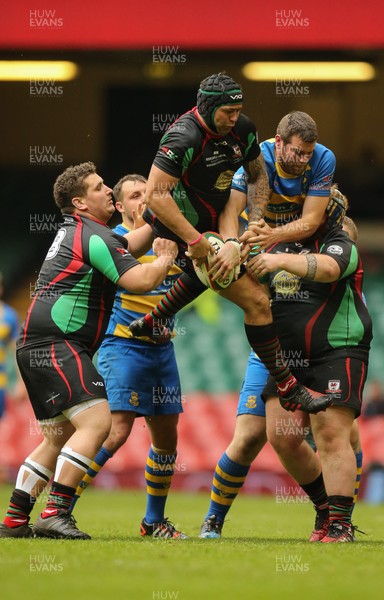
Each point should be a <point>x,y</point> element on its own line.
<point>70,184</point>
<point>129,177</point>
<point>297,123</point>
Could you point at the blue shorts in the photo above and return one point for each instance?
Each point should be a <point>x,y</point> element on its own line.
<point>140,376</point>
<point>250,401</point>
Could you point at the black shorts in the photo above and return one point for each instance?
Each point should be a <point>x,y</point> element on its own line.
<point>342,378</point>
<point>58,375</point>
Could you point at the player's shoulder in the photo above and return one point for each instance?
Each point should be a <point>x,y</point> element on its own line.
<point>338,235</point>
<point>268,149</point>
<point>121,229</point>
<point>338,244</point>
<point>323,154</point>
<point>187,126</point>
<point>244,124</point>
<point>96,230</point>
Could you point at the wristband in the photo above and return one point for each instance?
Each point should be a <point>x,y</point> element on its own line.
<point>232,240</point>
<point>255,250</point>
<point>196,241</point>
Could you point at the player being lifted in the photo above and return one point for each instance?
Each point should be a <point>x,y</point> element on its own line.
<point>187,194</point>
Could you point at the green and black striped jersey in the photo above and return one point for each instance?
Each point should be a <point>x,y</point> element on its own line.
<point>315,318</point>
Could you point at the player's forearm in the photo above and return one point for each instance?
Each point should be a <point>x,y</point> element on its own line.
<point>229,222</point>
<point>315,267</point>
<point>146,277</point>
<point>300,229</point>
<point>154,273</point>
<point>258,191</point>
<point>167,211</point>
<point>140,240</point>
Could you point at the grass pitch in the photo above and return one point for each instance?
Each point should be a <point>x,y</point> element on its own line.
<point>263,555</point>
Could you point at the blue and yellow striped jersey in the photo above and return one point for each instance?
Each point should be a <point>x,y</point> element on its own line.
<point>9,331</point>
<point>288,192</point>
<point>129,306</point>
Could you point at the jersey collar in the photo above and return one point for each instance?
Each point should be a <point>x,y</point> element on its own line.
<point>204,125</point>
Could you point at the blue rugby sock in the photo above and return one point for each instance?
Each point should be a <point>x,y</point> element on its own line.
<point>159,471</point>
<point>227,481</point>
<point>98,462</point>
<point>359,468</point>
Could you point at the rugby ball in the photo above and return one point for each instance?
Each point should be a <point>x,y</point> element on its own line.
<point>201,270</point>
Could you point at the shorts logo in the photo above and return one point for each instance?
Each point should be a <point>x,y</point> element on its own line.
<point>100,383</point>
<point>335,250</point>
<point>333,385</point>
<point>52,398</point>
<point>134,399</point>
<point>251,402</point>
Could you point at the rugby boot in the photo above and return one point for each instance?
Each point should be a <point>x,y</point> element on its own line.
<point>61,525</point>
<point>164,530</point>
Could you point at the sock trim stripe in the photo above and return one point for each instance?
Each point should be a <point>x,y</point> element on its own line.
<point>76,461</point>
<point>36,471</point>
<point>220,500</point>
<point>157,479</point>
<point>227,477</point>
<point>231,485</point>
<point>228,491</point>
<point>157,492</point>
<point>156,466</point>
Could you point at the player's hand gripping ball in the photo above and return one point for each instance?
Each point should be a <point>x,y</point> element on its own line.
<point>201,270</point>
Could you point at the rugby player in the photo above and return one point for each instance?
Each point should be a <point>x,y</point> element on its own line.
<point>141,378</point>
<point>250,436</point>
<point>64,327</point>
<point>188,189</point>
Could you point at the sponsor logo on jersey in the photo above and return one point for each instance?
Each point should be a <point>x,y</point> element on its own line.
<point>122,251</point>
<point>334,249</point>
<point>169,153</point>
<point>236,151</point>
<point>286,283</point>
<point>224,180</point>
<point>324,184</point>
<point>100,383</point>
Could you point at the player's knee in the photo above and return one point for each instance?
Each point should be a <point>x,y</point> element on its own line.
<point>257,304</point>
<point>102,431</point>
<point>246,445</point>
<point>165,443</point>
<point>116,439</point>
<point>284,444</point>
<point>331,440</point>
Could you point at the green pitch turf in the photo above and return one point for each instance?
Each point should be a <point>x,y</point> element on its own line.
<point>263,555</point>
